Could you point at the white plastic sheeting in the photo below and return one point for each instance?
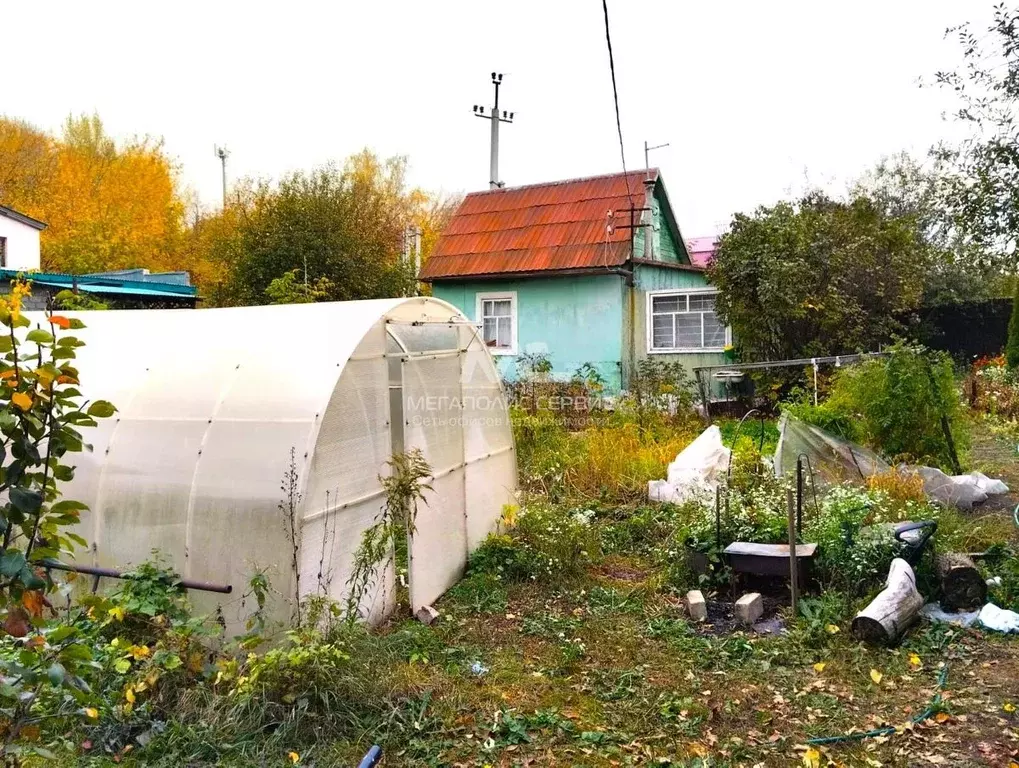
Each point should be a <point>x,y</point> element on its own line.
<point>990,616</point>
<point>835,460</point>
<point>211,403</point>
<point>695,472</point>
<point>962,491</point>
<point>999,619</point>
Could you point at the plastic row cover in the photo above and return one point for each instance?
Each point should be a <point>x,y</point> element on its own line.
<point>835,461</point>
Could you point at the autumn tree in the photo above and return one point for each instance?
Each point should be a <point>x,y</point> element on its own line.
<point>117,205</point>
<point>817,276</point>
<point>28,159</point>
<point>338,229</point>
<point>107,205</point>
<point>983,196</point>
<point>958,268</point>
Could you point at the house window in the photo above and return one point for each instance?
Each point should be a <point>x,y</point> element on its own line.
<point>497,316</point>
<point>685,322</point>
<point>3,253</point>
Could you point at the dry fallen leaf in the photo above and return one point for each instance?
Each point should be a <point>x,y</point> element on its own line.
<point>876,676</point>
<point>16,623</point>
<point>819,667</point>
<point>811,758</point>
<point>942,717</point>
<point>33,600</point>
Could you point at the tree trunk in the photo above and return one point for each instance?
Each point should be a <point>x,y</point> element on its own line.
<point>893,610</point>
<point>962,586</point>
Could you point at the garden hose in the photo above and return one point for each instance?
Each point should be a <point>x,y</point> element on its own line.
<point>371,759</point>
<point>932,708</point>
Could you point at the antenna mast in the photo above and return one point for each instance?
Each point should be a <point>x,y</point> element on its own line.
<point>222,153</point>
<point>648,150</point>
<point>495,118</point>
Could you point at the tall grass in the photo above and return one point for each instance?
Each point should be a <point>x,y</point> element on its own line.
<point>611,461</point>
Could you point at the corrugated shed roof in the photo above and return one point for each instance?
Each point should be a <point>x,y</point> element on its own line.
<point>101,284</point>
<point>541,227</point>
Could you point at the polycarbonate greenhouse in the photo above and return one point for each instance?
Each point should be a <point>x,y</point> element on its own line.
<point>211,402</point>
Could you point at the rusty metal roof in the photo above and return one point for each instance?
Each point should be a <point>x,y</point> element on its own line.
<point>561,225</point>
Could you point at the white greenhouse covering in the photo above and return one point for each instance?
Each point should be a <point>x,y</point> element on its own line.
<point>211,403</point>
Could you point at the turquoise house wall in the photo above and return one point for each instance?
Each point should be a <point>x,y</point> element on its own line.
<point>595,319</point>
<point>653,278</point>
<point>573,320</point>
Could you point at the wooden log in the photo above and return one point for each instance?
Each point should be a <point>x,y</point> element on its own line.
<point>962,586</point>
<point>893,610</point>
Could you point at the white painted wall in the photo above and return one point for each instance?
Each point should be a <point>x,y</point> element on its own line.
<point>22,244</point>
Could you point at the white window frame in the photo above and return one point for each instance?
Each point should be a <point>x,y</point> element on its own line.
<point>479,300</point>
<point>649,322</point>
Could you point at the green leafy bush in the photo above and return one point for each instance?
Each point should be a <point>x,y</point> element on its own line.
<point>658,389</point>
<point>895,405</point>
<point>855,545</point>
<point>818,616</point>
<point>300,670</point>
<point>152,589</point>
<point>1003,565</point>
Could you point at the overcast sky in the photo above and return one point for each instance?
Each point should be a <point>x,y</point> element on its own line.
<point>757,98</point>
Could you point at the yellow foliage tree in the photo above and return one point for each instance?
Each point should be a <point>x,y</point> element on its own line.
<point>119,205</point>
<point>106,206</point>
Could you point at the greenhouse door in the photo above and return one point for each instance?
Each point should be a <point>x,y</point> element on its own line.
<point>453,410</point>
<point>432,415</point>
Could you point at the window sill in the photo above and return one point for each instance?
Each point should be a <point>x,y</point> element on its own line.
<point>688,351</point>
<point>502,351</point>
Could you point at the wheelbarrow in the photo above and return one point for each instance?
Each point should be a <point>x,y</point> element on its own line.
<point>914,538</point>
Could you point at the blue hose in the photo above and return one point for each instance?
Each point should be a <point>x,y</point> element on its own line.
<point>372,758</point>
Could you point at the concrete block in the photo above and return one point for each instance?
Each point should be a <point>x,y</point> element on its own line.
<point>427,615</point>
<point>749,608</point>
<point>695,602</point>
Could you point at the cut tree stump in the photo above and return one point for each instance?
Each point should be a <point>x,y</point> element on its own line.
<point>893,610</point>
<point>962,586</point>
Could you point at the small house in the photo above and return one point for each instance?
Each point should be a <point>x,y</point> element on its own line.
<point>586,271</point>
<point>19,240</point>
<point>20,256</point>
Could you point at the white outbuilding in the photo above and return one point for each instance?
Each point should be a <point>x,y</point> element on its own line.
<point>19,240</point>
<point>212,402</point>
